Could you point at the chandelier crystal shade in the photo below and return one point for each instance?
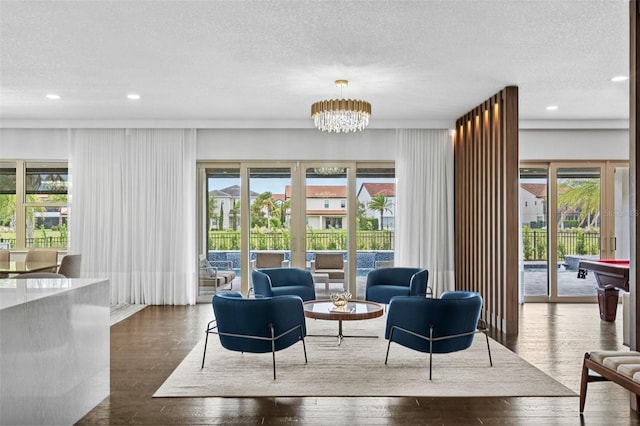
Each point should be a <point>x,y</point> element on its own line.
<point>341,115</point>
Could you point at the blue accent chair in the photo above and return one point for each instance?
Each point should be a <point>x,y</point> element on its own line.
<point>440,325</point>
<point>267,324</point>
<point>280,281</point>
<point>385,283</point>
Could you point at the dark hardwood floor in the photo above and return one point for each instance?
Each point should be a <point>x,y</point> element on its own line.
<point>146,347</point>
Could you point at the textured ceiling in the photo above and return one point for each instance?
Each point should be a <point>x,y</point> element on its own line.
<point>263,63</point>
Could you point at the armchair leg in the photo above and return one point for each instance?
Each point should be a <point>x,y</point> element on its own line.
<point>304,349</point>
<point>430,350</point>
<point>488,349</point>
<point>388,346</point>
<point>206,340</point>
<point>273,349</point>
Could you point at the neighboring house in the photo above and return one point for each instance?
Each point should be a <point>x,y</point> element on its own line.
<point>226,197</point>
<point>369,190</point>
<point>51,217</point>
<point>533,206</point>
<point>326,206</point>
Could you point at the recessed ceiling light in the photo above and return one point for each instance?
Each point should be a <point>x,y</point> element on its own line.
<point>133,96</point>
<point>552,107</point>
<point>52,96</point>
<point>619,78</point>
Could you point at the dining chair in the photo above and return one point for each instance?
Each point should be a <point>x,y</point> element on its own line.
<point>70,266</point>
<point>43,255</point>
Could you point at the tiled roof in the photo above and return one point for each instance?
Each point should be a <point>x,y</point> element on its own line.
<point>231,192</point>
<point>386,189</point>
<point>537,189</point>
<point>321,191</point>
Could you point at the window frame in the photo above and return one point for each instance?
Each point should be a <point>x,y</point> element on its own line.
<point>21,203</point>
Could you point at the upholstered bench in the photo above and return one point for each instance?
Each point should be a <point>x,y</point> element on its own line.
<point>621,367</point>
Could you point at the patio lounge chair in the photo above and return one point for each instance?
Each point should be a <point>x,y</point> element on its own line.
<point>216,273</point>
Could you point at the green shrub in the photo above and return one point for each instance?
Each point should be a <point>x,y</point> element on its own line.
<point>562,251</point>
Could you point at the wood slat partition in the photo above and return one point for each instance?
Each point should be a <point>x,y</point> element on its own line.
<point>486,205</point>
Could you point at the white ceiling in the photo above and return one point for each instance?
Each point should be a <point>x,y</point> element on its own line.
<point>263,63</point>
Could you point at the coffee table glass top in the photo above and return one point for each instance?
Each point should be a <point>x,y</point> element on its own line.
<point>354,310</point>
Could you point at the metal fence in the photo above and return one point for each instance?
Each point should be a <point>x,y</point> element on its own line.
<point>570,242</point>
<point>316,240</point>
<point>42,242</point>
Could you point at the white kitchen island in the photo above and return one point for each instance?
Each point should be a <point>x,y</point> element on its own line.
<point>54,349</point>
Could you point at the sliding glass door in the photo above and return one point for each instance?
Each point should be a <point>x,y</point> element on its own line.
<point>220,221</point>
<point>327,226</point>
<point>534,231</point>
<point>292,214</point>
<point>375,220</point>
<point>270,199</point>
<point>570,212</point>
<point>578,226</point>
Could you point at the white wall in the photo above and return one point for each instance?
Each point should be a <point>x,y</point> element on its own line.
<point>590,144</point>
<point>295,144</point>
<point>310,144</point>
<point>34,144</point>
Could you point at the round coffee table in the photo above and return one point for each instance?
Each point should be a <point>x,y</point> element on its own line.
<point>353,311</point>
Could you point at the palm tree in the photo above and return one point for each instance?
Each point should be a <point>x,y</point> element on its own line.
<point>283,208</point>
<point>583,194</point>
<point>380,203</point>
<point>263,203</point>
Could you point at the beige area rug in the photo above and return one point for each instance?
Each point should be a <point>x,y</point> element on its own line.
<point>123,310</point>
<point>356,368</point>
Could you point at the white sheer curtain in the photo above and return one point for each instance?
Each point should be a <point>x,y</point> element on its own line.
<point>424,204</point>
<point>132,202</point>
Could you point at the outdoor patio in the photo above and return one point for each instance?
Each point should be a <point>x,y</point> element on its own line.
<point>534,277</point>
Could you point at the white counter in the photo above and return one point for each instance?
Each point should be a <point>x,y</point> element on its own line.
<point>54,349</point>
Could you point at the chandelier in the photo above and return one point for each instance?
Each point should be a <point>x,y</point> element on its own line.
<point>329,171</point>
<point>341,115</point>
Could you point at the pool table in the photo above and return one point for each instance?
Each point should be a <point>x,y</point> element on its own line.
<point>612,275</point>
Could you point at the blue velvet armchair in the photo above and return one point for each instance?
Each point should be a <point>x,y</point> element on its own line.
<point>443,325</point>
<point>280,281</point>
<point>266,324</point>
<point>385,283</point>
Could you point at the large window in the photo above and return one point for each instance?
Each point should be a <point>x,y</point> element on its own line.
<point>291,211</point>
<point>33,205</point>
